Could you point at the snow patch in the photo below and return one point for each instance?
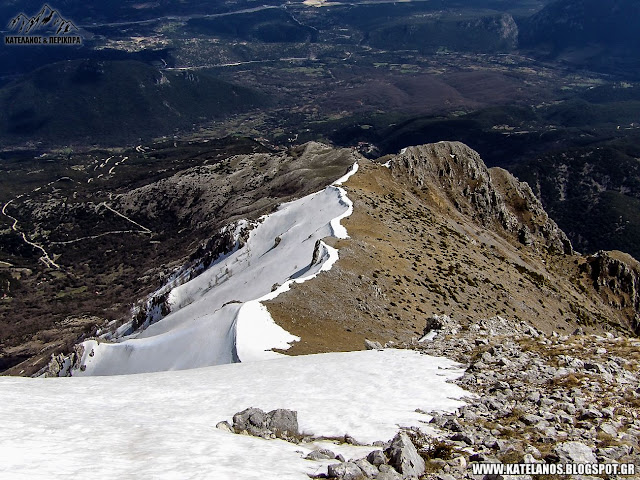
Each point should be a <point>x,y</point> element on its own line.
<point>429,336</point>
<point>257,333</point>
<point>337,229</point>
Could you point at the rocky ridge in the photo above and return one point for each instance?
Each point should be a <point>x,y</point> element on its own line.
<point>540,396</point>
<point>124,224</point>
<point>434,231</point>
<point>492,197</point>
<point>616,276</point>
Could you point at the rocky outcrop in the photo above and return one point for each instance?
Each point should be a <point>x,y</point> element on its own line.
<point>534,224</point>
<point>61,365</point>
<point>280,423</point>
<point>616,276</point>
<point>490,197</point>
<point>575,452</point>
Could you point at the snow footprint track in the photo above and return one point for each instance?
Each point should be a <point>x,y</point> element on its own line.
<point>218,317</point>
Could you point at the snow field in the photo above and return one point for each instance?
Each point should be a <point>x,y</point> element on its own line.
<point>162,425</point>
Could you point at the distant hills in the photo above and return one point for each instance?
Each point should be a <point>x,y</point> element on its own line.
<point>493,33</point>
<point>587,32</point>
<point>593,193</point>
<point>106,102</point>
<point>270,25</point>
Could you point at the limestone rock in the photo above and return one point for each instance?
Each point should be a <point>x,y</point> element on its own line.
<point>252,421</point>
<point>224,426</point>
<point>388,473</point>
<point>345,471</point>
<point>321,454</point>
<point>404,456</point>
<point>283,423</point>
<point>371,345</point>
<point>575,452</point>
<point>616,276</point>
<point>280,423</point>
<point>367,468</point>
<point>377,458</point>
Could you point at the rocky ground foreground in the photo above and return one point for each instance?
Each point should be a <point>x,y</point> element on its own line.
<point>540,398</point>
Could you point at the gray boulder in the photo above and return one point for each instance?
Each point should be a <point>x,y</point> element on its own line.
<point>252,421</point>
<point>345,471</point>
<point>321,454</point>
<point>280,423</point>
<point>404,456</point>
<point>388,473</point>
<point>377,458</point>
<point>575,452</point>
<point>283,423</point>
<point>531,419</point>
<point>609,428</point>
<point>371,345</point>
<point>369,470</point>
<point>615,453</point>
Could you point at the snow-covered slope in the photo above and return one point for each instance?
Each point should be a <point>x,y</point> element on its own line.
<point>162,425</point>
<point>217,317</point>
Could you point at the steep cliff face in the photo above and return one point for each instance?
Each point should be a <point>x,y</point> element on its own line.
<point>534,224</point>
<point>431,33</point>
<point>616,277</point>
<point>491,197</point>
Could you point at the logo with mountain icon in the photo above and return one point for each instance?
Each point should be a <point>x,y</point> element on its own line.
<point>48,27</point>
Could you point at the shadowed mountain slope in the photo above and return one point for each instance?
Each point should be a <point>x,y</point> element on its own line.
<point>108,102</point>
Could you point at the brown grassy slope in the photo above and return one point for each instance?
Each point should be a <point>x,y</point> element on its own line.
<point>412,253</point>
